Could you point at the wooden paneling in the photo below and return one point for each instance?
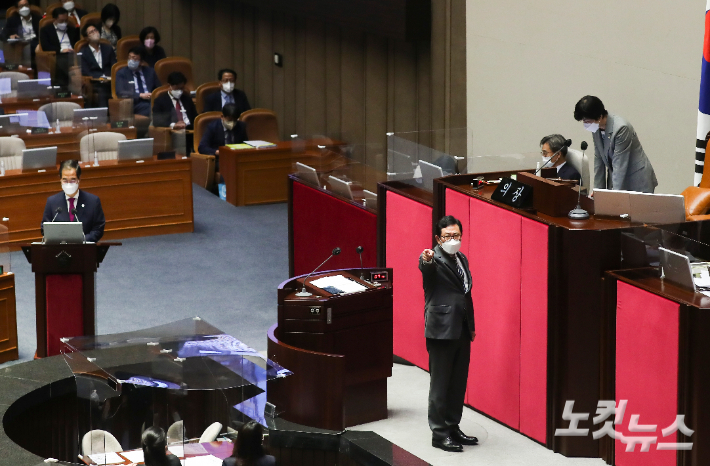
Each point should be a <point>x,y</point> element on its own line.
<point>345,82</point>
<point>8,319</point>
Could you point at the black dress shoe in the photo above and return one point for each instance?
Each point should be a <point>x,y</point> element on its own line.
<point>463,439</point>
<point>447,444</point>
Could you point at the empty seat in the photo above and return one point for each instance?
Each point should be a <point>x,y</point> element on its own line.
<point>104,143</point>
<point>211,432</point>
<point>62,111</point>
<point>99,441</point>
<point>11,152</point>
<point>262,125</point>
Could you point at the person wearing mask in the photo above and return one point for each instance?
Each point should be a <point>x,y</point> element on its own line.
<point>449,330</point>
<point>248,448</point>
<point>228,95</point>
<point>174,109</point>
<point>22,25</point>
<point>96,61</point>
<point>554,154</point>
<point>154,443</point>
<point>226,130</point>
<point>74,205</point>
<point>619,159</point>
<point>75,13</point>
<point>110,30</point>
<point>150,37</point>
<point>137,82</point>
<point>60,36</point>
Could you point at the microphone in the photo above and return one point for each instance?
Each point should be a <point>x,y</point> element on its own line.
<point>57,211</point>
<point>359,250</point>
<point>568,143</point>
<point>73,211</point>
<point>578,213</point>
<point>303,292</point>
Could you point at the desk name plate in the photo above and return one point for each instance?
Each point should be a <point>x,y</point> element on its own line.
<point>513,193</point>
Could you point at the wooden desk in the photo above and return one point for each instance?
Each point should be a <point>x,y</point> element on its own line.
<point>68,139</point>
<point>221,450</point>
<point>259,176</point>
<point>8,318</point>
<point>139,199</point>
<point>13,104</point>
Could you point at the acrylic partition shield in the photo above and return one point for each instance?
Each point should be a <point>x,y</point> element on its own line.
<point>420,156</point>
<point>188,378</point>
<point>5,255</point>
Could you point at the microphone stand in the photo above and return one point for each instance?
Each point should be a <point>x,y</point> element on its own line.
<point>303,292</point>
<point>359,250</point>
<point>578,213</point>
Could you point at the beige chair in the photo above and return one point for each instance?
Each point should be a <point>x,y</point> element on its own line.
<point>62,111</point>
<point>211,432</point>
<point>14,77</point>
<point>11,152</point>
<point>176,432</point>
<point>167,65</point>
<point>104,143</point>
<point>203,165</point>
<point>125,44</point>
<point>262,125</point>
<point>574,158</point>
<point>204,90</point>
<point>99,441</point>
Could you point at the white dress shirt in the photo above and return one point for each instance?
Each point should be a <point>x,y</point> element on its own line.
<point>28,31</point>
<point>64,42</point>
<point>75,15</point>
<point>183,111</point>
<point>97,54</point>
<point>76,201</point>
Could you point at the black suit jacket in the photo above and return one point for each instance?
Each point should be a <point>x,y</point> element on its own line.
<point>89,66</point>
<point>447,305</point>
<point>568,172</point>
<point>88,210</point>
<point>14,26</point>
<point>215,136</point>
<point>49,40</point>
<point>164,111</point>
<point>213,102</point>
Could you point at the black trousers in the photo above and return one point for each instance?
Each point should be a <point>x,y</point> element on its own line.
<point>448,369</point>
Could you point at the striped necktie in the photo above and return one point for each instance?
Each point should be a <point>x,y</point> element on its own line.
<point>460,271</point>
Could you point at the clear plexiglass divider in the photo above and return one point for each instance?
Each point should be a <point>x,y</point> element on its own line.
<point>187,378</point>
<point>5,255</point>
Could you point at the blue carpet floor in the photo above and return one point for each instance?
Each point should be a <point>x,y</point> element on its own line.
<point>226,272</point>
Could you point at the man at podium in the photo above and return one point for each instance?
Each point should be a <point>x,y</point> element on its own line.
<point>449,330</point>
<point>73,205</point>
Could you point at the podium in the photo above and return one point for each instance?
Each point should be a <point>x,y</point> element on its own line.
<point>65,290</point>
<point>339,348</point>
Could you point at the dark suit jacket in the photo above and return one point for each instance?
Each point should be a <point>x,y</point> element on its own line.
<point>88,210</point>
<point>447,305</point>
<point>80,12</point>
<point>14,26</point>
<point>124,82</point>
<point>164,111</point>
<point>89,66</point>
<point>49,40</point>
<point>152,59</point>
<point>215,137</point>
<point>266,460</point>
<point>568,172</point>
<point>213,102</point>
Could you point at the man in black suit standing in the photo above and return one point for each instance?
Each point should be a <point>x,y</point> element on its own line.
<point>449,330</point>
<point>23,25</point>
<point>60,37</point>
<point>227,95</point>
<point>73,205</point>
<point>554,154</point>
<point>226,130</point>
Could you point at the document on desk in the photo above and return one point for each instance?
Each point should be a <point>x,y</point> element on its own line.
<point>343,284</point>
<point>134,456</point>
<point>106,458</point>
<point>207,460</point>
<point>260,144</point>
<point>5,86</point>
<point>239,146</point>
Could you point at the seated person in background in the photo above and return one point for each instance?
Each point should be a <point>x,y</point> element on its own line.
<point>137,82</point>
<point>75,13</point>
<point>174,108</point>
<point>110,30</point>
<point>150,37</point>
<point>154,443</point>
<point>248,449</point>
<point>72,205</point>
<point>214,102</point>
<point>554,154</point>
<point>60,37</point>
<point>226,130</point>
<point>22,25</point>
<point>96,61</point>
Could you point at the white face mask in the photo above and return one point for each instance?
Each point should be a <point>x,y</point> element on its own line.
<point>591,127</point>
<point>133,64</point>
<point>109,23</point>
<point>177,93</point>
<point>228,124</point>
<point>62,26</point>
<point>228,87</point>
<point>546,161</point>
<point>70,188</point>
<point>24,11</point>
<point>69,6</point>
<point>451,246</point>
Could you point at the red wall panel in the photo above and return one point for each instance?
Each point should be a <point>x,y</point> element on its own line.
<point>65,314</point>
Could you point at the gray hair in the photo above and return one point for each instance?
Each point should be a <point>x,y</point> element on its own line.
<point>556,142</point>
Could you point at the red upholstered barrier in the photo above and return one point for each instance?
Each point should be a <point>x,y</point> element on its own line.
<point>457,204</point>
<point>408,234</point>
<point>64,309</point>
<point>495,253</point>
<point>321,223</point>
<point>533,330</point>
<point>646,370</point>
